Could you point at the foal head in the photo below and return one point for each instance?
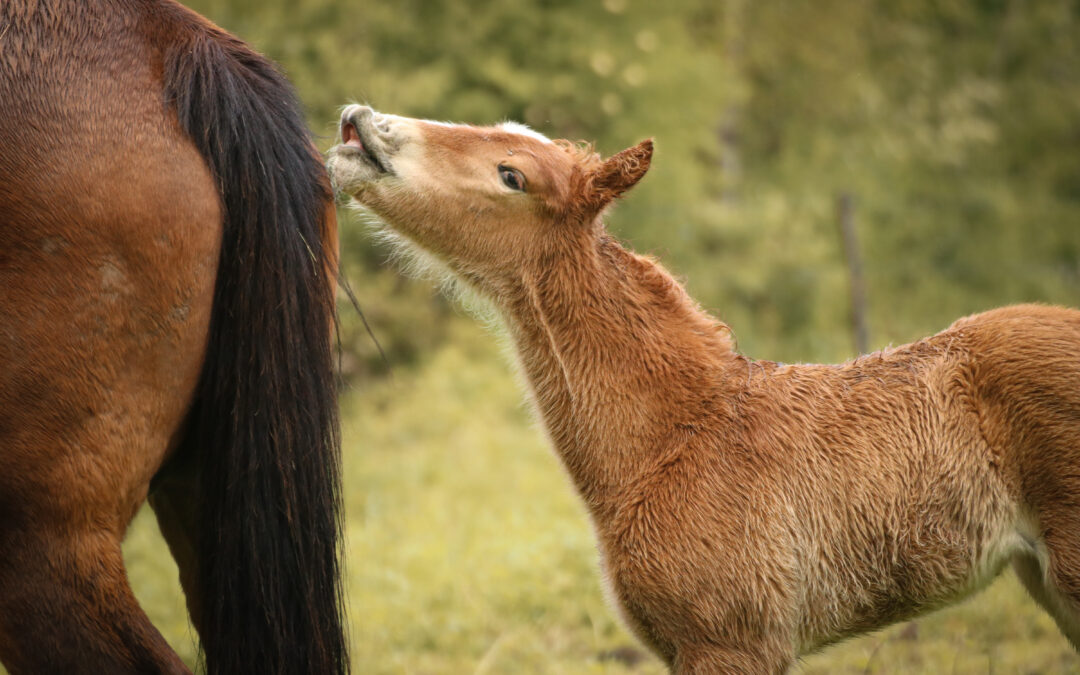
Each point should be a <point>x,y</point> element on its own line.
<point>488,202</point>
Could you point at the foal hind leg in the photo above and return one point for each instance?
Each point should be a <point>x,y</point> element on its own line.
<point>66,607</point>
<point>1032,574</point>
<point>1052,573</point>
<point>1051,569</point>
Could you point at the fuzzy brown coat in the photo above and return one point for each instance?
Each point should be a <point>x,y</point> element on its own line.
<point>747,512</point>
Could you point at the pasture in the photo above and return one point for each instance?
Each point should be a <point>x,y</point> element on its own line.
<point>467,550</point>
<point>469,553</point>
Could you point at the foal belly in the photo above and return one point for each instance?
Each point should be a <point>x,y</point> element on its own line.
<point>941,568</point>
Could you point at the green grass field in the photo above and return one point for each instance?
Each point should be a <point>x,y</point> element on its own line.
<point>467,551</point>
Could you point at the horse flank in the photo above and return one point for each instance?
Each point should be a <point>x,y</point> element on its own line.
<point>747,512</point>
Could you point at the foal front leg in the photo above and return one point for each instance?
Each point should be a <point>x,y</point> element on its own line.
<point>744,660</point>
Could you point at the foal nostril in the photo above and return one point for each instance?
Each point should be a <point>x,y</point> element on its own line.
<point>356,116</point>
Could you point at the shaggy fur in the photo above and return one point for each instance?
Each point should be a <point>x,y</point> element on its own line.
<point>747,512</point>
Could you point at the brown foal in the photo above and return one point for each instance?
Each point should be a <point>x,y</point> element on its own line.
<point>747,512</point>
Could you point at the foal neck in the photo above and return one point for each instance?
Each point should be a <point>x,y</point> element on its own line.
<point>618,359</point>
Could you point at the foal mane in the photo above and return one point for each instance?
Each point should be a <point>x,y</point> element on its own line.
<point>663,288</point>
<point>583,153</point>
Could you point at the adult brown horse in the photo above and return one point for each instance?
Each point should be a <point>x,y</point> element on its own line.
<point>166,312</point>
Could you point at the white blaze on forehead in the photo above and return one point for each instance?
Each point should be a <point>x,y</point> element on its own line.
<point>439,123</point>
<point>519,128</point>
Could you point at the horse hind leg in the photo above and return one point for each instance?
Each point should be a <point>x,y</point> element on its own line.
<point>173,499</point>
<point>66,607</point>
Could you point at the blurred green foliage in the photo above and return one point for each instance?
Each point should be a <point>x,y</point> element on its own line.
<point>955,126</point>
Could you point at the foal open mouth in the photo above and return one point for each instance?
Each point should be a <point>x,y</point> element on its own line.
<point>352,138</point>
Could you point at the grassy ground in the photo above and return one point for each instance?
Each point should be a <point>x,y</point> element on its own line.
<point>469,553</point>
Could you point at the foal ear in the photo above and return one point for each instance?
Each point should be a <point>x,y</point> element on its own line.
<point>618,174</point>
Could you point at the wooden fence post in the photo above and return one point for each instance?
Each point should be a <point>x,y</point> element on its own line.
<point>845,213</point>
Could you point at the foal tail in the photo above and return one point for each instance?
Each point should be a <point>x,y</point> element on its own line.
<point>264,422</point>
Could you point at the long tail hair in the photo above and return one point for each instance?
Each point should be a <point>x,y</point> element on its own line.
<point>264,423</point>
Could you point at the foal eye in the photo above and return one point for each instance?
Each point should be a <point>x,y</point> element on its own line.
<point>512,178</point>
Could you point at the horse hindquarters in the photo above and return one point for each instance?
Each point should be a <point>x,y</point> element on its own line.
<point>109,237</point>
<point>105,327</point>
<point>93,387</point>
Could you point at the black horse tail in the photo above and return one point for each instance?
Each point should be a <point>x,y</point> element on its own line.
<point>264,422</point>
